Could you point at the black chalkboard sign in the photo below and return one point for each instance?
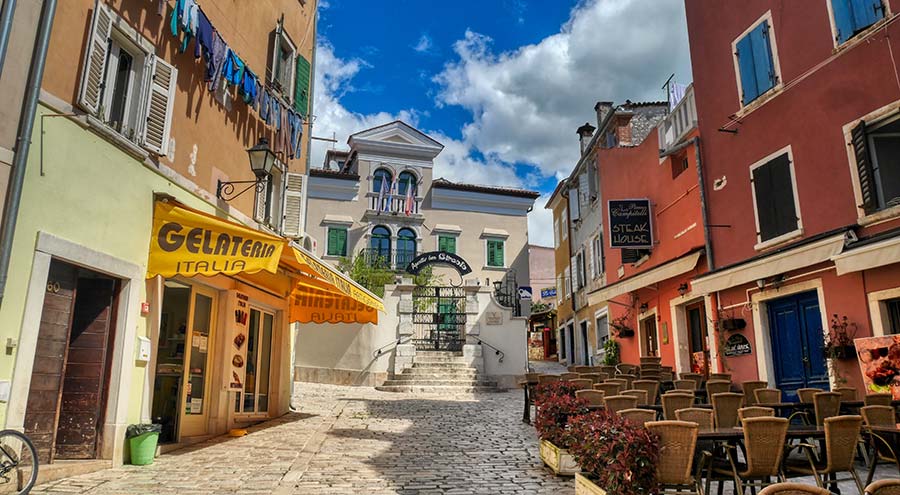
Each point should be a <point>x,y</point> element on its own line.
<point>629,224</point>
<point>737,345</point>
<point>438,258</point>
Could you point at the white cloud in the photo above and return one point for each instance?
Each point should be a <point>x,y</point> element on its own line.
<point>527,103</point>
<point>424,45</point>
<point>540,223</point>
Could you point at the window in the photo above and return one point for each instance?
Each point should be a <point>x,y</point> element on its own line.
<point>255,395</point>
<point>877,153</point>
<point>573,204</point>
<point>564,224</point>
<point>579,269</point>
<point>495,253</point>
<point>773,193</point>
<point>567,282</point>
<point>283,64</point>
<point>556,233</point>
<point>601,255</point>
<point>602,330</point>
<point>853,16</point>
<point>405,181</point>
<point>337,241</point>
<point>269,201</point>
<point>755,63</point>
<point>381,177</point>
<point>447,244</point>
<point>406,247</point>
<point>380,246</point>
<point>893,312</point>
<point>679,164</point>
<point>124,85</point>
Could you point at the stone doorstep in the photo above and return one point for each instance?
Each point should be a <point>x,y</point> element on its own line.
<point>63,469</point>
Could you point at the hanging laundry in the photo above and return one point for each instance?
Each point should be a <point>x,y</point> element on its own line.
<point>275,113</point>
<point>264,105</point>
<point>161,7</point>
<point>296,132</point>
<point>216,61</point>
<point>184,19</point>
<point>204,36</point>
<point>232,68</point>
<point>248,87</point>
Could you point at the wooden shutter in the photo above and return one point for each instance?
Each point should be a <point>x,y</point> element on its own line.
<point>161,99</point>
<point>293,205</point>
<point>274,45</point>
<point>747,71</point>
<point>94,75</point>
<point>866,13</point>
<point>591,259</point>
<point>259,211</point>
<point>584,191</point>
<point>593,180</point>
<point>301,89</point>
<point>762,58</point>
<point>631,255</point>
<point>495,253</point>
<point>337,242</point>
<point>775,206</point>
<point>860,142</point>
<point>843,19</point>
<point>573,204</point>
<point>765,202</point>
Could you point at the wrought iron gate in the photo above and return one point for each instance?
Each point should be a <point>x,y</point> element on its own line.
<point>439,318</point>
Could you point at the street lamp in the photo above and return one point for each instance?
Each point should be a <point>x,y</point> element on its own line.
<point>262,159</point>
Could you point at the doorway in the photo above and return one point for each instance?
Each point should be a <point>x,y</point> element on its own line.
<point>70,378</point>
<point>699,353</point>
<point>585,347</point>
<point>571,337</point>
<point>181,387</point>
<point>254,398</point>
<point>795,328</point>
<point>649,338</point>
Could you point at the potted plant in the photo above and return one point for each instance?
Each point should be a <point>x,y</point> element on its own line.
<point>621,326</point>
<point>556,403</point>
<point>617,457</point>
<point>611,352</point>
<point>839,341</point>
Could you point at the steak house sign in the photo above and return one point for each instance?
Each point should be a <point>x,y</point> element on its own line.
<point>630,224</point>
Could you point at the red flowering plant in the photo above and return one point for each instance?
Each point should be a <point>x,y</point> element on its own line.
<point>554,408</point>
<point>554,388</point>
<point>618,455</point>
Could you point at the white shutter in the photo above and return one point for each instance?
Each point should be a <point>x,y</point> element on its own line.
<point>591,263</point>
<point>92,79</point>
<point>259,212</point>
<point>556,232</point>
<point>573,204</point>
<point>293,205</point>
<point>160,100</point>
<point>583,191</point>
<point>573,264</point>
<point>567,282</point>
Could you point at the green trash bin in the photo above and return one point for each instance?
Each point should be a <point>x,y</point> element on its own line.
<point>142,440</point>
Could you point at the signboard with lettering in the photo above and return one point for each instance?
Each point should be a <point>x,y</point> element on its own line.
<point>548,292</point>
<point>236,319</point>
<point>525,293</point>
<point>737,345</point>
<point>630,225</point>
<point>438,258</point>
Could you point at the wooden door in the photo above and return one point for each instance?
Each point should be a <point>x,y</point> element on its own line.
<point>86,372</point>
<point>44,392</point>
<point>699,354</point>
<point>649,336</point>
<point>795,326</point>
<point>199,342</point>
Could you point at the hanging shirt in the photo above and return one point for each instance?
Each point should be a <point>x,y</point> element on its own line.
<point>216,61</point>
<point>204,36</point>
<point>189,19</point>
<point>232,68</point>
<point>248,87</point>
<point>296,132</point>
<point>264,105</point>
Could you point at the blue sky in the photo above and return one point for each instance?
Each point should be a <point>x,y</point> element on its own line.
<point>503,84</point>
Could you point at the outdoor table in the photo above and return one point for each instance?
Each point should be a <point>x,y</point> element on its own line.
<point>737,433</point>
<point>526,416</point>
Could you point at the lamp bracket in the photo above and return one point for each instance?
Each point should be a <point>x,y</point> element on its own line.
<point>225,190</point>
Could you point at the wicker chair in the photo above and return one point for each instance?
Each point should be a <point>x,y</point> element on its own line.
<point>609,370</point>
<point>569,376</point>
<point>847,393</point>
<point>689,385</point>
<point>677,442</point>
<point>702,416</point>
<point>764,449</point>
<point>617,403</point>
<point>629,379</point>
<point>750,389</point>
<point>621,381</point>
<point>878,399</point>
<point>806,394</point>
<point>717,387</point>
<point>593,377</point>
<point>542,379</point>
<point>649,386</point>
<point>881,450</point>
<point>593,397</point>
<point>638,415</point>
<point>666,376</point>
<point>626,369</point>
<point>697,378</point>
<point>582,383</point>
<point>650,360</point>
<point>608,388</point>
<point>583,369</point>
<point>720,376</point>
<point>883,487</point>
<point>640,395</point>
<point>827,405</point>
<point>793,489</point>
<point>755,412</point>
<point>878,415</point>
<point>725,409</point>
<point>767,395</point>
<point>571,369</point>
<point>841,435</point>
<point>674,401</point>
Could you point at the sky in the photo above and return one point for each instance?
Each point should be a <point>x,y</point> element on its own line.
<point>502,84</point>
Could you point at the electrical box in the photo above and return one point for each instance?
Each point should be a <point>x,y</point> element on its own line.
<point>143,349</point>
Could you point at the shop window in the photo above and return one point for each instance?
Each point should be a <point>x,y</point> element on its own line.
<point>495,255</point>
<point>337,241</point>
<point>125,85</point>
<point>775,204</point>
<point>755,62</point>
<point>254,397</point>
<point>893,312</point>
<point>447,244</point>
<point>877,150</point>
<point>853,16</point>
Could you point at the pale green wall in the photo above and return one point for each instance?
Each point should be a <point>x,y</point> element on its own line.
<point>95,195</point>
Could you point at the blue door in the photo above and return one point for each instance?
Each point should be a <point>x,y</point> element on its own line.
<point>795,326</point>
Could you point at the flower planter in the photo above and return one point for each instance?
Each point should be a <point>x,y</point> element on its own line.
<point>841,352</point>
<point>584,486</point>
<point>559,460</point>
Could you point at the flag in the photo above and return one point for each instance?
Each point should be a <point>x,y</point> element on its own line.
<point>381,191</point>
<point>409,198</point>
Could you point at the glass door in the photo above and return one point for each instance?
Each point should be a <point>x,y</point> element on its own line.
<point>197,355</point>
<point>254,398</point>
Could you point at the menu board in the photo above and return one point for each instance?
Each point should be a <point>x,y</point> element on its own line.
<point>630,224</point>
<point>879,362</point>
<point>237,319</point>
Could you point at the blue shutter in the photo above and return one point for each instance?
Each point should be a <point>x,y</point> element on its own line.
<point>866,12</point>
<point>745,67</point>
<point>843,19</point>
<point>762,58</point>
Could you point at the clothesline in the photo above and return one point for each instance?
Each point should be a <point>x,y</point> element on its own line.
<point>188,22</point>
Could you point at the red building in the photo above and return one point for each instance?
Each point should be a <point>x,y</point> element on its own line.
<point>799,110</point>
<point>648,288</point>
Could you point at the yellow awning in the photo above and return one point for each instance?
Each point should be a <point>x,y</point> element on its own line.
<point>301,259</point>
<point>644,279</point>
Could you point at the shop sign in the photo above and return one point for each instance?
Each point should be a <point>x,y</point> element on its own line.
<point>438,258</point>
<point>548,292</point>
<point>188,242</point>
<point>237,318</point>
<point>630,224</point>
<point>879,362</point>
<point>737,345</point>
<point>315,302</point>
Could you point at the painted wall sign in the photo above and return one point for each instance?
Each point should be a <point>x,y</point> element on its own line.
<point>737,345</point>
<point>548,292</point>
<point>630,224</point>
<point>237,319</point>
<point>438,258</point>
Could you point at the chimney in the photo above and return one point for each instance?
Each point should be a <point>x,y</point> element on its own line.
<point>603,109</point>
<point>585,133</point>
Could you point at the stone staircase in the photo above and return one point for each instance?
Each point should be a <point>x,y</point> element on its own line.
<point>438,372</point>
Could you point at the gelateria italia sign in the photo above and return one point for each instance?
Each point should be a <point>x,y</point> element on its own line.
<point>187,242</point>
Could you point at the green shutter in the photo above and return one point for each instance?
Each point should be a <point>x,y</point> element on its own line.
<point>301,90</point>
<point>447,244</point>
<point>337,242</point>
<point>495,253</point>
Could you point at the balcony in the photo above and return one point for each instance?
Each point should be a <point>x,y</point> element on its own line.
<point>391,205</point>
<point>396,260</point>
<point>683,118</point>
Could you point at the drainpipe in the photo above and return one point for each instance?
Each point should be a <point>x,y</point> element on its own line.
<point>6,24</point>
<point>23,139</point>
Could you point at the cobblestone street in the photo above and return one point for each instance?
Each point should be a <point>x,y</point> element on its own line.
<point>353,440</point>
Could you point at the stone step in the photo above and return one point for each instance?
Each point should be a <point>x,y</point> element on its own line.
<point>439,354</point>
<point>439,372</point>
<point>448,383</point>
<point>441,364</point>
<point>434,389</point>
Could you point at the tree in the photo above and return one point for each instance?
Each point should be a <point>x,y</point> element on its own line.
<point>371,274</point>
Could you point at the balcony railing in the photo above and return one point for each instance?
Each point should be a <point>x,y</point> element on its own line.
<point>392,204</point>
<point>393,260</point>
<point>679,122</point>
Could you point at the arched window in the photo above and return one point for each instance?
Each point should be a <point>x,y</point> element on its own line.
<point>382,175</point>
<point>406,247</point>
<point>406,180</point>
<point>380,246</point>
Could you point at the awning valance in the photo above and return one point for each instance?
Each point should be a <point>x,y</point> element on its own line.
<point>650,277</point>
<point>873,255</point>
<point>300,259</point>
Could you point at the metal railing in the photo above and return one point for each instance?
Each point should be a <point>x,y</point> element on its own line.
<point>381,350</point>
<point>500,354</point>
<point>679,122</point>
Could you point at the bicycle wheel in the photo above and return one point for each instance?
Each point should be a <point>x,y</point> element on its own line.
<point>18,461</point>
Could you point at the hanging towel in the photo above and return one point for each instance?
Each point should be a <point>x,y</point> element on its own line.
<point>248,87</point>
<point>188,22</point>
<point>232,68</point>
<point>216,61</point>
<point>204,36</point>
<point>296,132</point>
<point>177,12</point>
<point>264,105</point>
